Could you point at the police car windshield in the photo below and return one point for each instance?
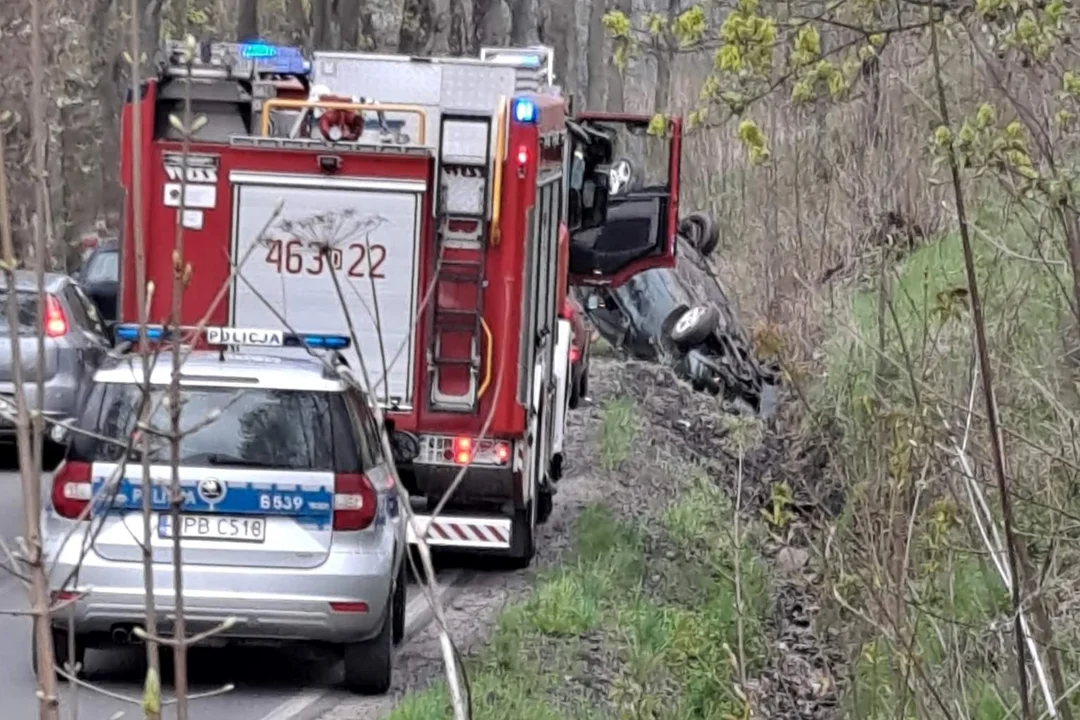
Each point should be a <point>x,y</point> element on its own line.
<point>284,429</point>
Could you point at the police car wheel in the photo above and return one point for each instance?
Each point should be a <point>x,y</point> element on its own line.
<point>399,601</point>
<point>369,665</point>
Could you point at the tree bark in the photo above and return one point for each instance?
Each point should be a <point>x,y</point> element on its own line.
<point>247,24</point>
<point>595,62</point>
<point>320,23</point>
<point>349,24</point>
<point>523,23</point>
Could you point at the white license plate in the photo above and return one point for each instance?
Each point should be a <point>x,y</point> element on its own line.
<point>215,527</point>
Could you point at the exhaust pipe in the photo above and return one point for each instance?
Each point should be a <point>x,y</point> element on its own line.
<point>121,635</point>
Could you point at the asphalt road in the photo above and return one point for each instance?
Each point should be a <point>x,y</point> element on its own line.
<point>270,684</point>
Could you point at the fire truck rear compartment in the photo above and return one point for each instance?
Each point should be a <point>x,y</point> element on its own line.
<point>363,231</point>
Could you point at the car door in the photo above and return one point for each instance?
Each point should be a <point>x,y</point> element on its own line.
<point>622,201</point>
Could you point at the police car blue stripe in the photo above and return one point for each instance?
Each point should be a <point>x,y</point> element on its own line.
<point>305,505</point>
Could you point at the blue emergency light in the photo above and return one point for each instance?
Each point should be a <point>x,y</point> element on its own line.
<point>276,59</point>
<point>318,342</point>
<point>258,50</point>
<point>130,333</point>
<point>524,111</point>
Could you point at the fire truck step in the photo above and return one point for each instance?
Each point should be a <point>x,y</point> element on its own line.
<point>463,362</point>
<point>473,275</point>
<point>457,531</point>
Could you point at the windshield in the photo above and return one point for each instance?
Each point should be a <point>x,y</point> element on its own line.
<point>102,267</point>
<point>27,302</point>
<point>281,429</point>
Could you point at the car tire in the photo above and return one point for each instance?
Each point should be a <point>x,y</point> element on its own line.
<point>575,393</point>
<point>546,500</point>
<point>694,325</point>
<point>369,665</point>
<point>523,533</point>
<point>60,650</point>
<point>583,384</point>
<point>400,600</point>
<point>702,232</point>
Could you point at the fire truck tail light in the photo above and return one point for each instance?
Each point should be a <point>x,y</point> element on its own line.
<point>523,155</point>
<point>463,450</point>
<point>56,324</point>
<point>524,111</point>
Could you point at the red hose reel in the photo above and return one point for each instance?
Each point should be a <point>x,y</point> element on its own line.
<point>341,125</point>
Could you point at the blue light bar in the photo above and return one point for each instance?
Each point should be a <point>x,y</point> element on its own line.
<point>258,50</point>
<point>231,336</point>
<point>524,111</point>
<point>130,333</point>
<point>320,342</point>
<point>278,59</point>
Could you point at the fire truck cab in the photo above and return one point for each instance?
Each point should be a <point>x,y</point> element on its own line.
<point>435,209</point>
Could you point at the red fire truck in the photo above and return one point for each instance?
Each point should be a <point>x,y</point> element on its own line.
<point>453,199</point>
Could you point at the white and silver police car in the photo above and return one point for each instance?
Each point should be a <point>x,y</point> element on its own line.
<point>289,522</point>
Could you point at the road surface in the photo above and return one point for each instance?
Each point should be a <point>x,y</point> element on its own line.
<point>270,684</point>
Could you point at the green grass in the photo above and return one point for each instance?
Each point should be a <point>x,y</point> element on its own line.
<point>612,632</point>
<point>927,321</point>
<point>617,432</point>
<point>957,608</point>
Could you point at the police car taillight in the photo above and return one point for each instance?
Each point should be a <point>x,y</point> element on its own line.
<point>355,502</point>
<point>71,489</point>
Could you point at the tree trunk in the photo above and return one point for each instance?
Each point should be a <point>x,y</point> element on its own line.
<point>320,23</point>
<point>523,23</point>
<point>616,86</point>
<point>595,62</point>
<point>297,21</point>
<point>349,24</point>
<point>247,24</point>
<point>416,24</point>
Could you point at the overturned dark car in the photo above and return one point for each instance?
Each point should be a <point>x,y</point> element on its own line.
<point>681,317</point>
<point>640,274</point>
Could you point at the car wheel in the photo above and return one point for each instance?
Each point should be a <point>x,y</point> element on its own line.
<point>546,500</point>
<point>575,393</point>
<point>694,325</point>
<point>523,533</point>
<point>702,232</point>
<point>400,599</point>
<point>583,384</point>
<point>369,665</point>
<point>61,656</point>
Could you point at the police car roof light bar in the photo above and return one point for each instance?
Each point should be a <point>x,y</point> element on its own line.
<point>232,336</point>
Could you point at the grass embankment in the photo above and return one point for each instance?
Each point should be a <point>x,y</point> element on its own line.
<point>930,610</point>
<point>641,620</point>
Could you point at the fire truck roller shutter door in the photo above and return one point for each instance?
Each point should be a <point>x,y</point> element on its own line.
<point>369,230</point>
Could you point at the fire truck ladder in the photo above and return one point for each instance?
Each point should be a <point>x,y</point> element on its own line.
<point>461,238</point>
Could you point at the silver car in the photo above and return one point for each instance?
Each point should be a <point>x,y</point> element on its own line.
<point>290,524</point>
<point>75,343</point>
